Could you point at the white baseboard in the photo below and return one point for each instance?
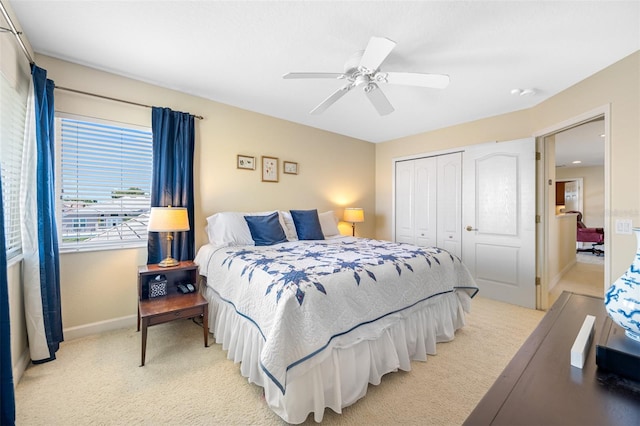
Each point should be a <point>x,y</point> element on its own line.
<point>99,327</point>
<point>555,280</point>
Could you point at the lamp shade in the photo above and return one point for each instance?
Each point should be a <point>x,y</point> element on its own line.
<point>168,219</point>
<point>353,215</point>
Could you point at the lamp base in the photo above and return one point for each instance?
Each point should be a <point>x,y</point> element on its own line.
<point>169,261</point>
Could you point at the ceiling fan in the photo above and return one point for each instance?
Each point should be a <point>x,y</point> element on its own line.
<point>362,70</point>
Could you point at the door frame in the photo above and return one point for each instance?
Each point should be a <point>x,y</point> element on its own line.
<point>543,197</point>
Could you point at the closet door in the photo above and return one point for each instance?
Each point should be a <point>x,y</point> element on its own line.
<point>450,203</point>
<point>404,202</point>
<point>425,206</point>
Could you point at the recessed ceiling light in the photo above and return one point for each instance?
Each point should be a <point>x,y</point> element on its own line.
<point>523,92</point>
<point>602,135</point>
<point>576,162</point>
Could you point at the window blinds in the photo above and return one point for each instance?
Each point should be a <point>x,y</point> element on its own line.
<point>13,107</point>
<point>104,184</point>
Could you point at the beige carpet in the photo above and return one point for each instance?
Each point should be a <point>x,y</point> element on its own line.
<point>97,379</point>
<point>583,278</point>
<point>590,258</point>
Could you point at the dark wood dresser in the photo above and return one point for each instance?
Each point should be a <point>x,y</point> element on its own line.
<point>540,387</point>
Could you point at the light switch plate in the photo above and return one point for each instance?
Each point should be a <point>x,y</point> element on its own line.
<point>623,226</point>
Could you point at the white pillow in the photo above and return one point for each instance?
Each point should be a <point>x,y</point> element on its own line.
<point>230,228</point>
<point>287,224</point>
<point>329,223</point>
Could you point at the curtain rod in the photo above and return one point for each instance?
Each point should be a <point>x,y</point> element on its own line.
<point>112,99</point>
<point>13,30</point>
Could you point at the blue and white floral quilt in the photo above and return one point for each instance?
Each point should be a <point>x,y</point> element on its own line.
<point>303,296</point>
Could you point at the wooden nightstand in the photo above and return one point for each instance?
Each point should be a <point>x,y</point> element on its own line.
<point>174,305</point>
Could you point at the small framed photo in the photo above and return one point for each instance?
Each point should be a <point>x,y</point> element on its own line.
<point>269,169</point>
<point>246,162</point>
<point>290,167</point>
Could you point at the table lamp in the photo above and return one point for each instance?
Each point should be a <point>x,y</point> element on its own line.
<point>353,215</point>
<point>168,219</point>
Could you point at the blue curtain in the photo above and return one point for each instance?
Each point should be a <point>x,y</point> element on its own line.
<point>172,180</point>
<point>7,398</point>
<point>47,231</point>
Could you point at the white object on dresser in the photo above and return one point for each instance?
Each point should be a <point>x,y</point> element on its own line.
<point>581,345</point>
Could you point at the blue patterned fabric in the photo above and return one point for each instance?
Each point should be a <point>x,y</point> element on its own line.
<point>172,177</point>
<point>266,230</point>
<point>304,297</point>
<point>307,224</point>
<point>283,263</point>
<point>47,231</point>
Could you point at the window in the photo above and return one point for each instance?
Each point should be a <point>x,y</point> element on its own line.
<point>13,108</point>
<point>103,184</point>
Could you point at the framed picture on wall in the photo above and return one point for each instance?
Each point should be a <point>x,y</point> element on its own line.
<point>290,167</point>
<point>269,169</point>
<point>246,162</point>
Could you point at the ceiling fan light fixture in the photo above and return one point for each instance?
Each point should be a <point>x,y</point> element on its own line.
<point>381,77</point>
<point>362,80</point>
<point>362,70</point>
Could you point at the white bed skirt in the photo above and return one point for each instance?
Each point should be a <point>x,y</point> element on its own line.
<point>340,376</point>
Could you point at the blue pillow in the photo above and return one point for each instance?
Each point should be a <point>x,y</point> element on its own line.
<point>266,230</point>
<point>307,224</point>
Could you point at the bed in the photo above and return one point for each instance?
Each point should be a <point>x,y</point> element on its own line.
<point>315,320</point>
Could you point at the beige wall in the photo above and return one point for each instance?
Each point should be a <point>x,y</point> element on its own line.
<point>334,172</point>
<point>592,192</point>
<point>617,86</point>
<point>18,325</point>
<point>561,254</point>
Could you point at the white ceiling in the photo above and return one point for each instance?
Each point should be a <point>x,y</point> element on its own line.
<point>584,143</point>
<point>236,52</point>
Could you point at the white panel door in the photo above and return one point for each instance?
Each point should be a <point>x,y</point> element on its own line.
<point>404,226</point>
<point>499,219</point>
<point>449,203</point>
<point>425,196</point>
<point>571,196</point>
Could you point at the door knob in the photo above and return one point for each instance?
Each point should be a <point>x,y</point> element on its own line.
<point>470,228</point>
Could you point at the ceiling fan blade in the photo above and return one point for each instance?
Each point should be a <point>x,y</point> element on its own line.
<point>335,75</point>
<point>436,81</point>
<point>376,52</point>
<point>378,99</point>
<point>331,99</point>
